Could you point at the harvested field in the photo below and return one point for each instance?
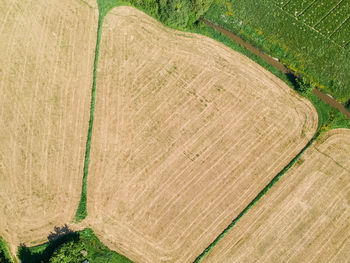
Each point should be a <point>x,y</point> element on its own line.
<point>46,64</point>
<point>186,133</point>
<point>304,218</point>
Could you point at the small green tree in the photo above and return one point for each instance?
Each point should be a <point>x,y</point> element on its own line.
<point>150,6</point>
<point>174,13</point>
<point>68,253</point>
<point>197,9</point>
<point>303,86</point>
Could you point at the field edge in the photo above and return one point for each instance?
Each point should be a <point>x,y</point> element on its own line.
<point>43,252</point>
<point>5,253</point>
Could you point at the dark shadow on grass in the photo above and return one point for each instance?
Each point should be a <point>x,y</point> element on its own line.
<point>59,232</point>
<point>347,104</point>
<point>293,79</point>
<point>60,236</point>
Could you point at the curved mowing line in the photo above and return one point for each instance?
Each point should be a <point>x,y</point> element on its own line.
<point>82,212</point>
<point>255,200</point>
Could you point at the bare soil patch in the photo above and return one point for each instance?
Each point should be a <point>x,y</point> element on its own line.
<point>186,133</point>
<point>304,218</point>
<point>46,64</point>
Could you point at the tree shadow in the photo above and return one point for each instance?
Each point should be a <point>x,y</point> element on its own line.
<point>347,104</point>
<point>59,232</point>
<point>294,79</point>
<point>43,253</point>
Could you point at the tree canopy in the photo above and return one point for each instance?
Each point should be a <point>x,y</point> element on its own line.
<point>174,13</point>
<point>68,252</point>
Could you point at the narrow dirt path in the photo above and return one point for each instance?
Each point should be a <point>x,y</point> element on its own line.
<point>273,62</point>
<point>239,40</point>
<point>332,102</point>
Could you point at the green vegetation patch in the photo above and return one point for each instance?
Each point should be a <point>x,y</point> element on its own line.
<point>304,36</point>
<point>104,6</point>
<point>5,256</point>
<point>178,14</point>
<point>73,247</point>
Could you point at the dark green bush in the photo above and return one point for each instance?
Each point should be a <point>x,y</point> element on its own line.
<point>3,258</point>
<point>69,252</point>
<point>174,13</point>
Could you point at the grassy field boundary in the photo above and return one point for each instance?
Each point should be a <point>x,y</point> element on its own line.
<point>96,250</point>
<point>82,210</point>
<point>104,6</point>
<point>5,255</point>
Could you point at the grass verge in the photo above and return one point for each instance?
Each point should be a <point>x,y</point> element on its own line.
<point>85,243</point>
<point>82,211</point>
<point>5,256</point>
<point>104,6</point>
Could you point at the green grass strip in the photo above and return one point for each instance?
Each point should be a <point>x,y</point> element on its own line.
<point>5,255</point>
<point>256,199</point>
<point>82,211</point>
<point>104,6</point>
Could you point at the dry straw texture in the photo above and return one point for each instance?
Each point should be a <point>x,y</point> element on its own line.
<point>304,218</point>
<point>186,133</point>
<point>46,64</point>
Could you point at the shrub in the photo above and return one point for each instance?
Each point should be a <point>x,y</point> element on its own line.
<point>174,13</point>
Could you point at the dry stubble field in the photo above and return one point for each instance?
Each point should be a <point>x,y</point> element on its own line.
<point>186,133</point>
<point>304,218</point>
<point>46,64</point>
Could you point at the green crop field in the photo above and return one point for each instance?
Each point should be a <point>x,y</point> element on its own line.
<point>328,17</point>
<point>312,37</point>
